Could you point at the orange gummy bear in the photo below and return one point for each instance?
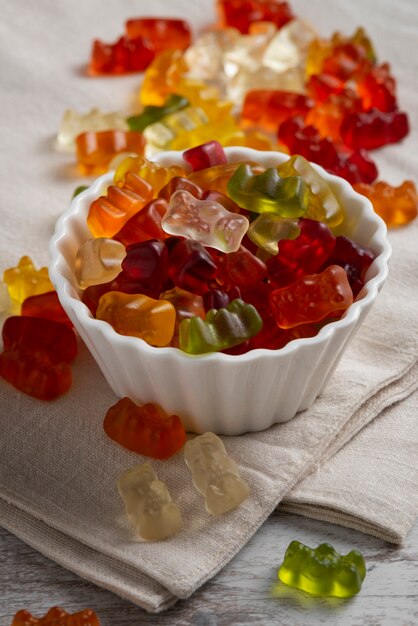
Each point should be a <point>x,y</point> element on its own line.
<point>109,213</point>
<point>146,429</point>
<point>57,617</point>
<point>395,205</point>
<point>96,149</point>
<point>139,316</point>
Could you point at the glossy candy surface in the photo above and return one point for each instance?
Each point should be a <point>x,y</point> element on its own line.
<point>148,504</point>
<point>36,356</point>
<point>96,149</point>
<point>153,113</point>
<point>139,316</point>
<point>47,306</point>
<point>395,205</point>
<point>322,571</point>
<point>222,328</point>
<point>205,155</point>
<point>124,56</point>
<point>73,124</point>
<point>145,429</point>
<point>268,192</point>
<point>98,261</point>
<point>109,213</point>
<point>205,221</point>
<point>164,33</point>
<point>25,280</point>
<point>312,298</point>
<point>153,173</point>
<point>215,475</point>
<point>57,617</point>
<point>242,13</point>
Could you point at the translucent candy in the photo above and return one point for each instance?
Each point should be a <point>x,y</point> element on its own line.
<point>289,47</point>
<point>205,221</point>
<point>145,429</point>
<point>267,230</point>
<point>5,302</point>
<point>395,205</point>
<point>215,475</point>
<point>98,261</point>
<point>148,504</point>
<point>248,50</point>
<point>245,80</point>
<point>159,136</point>
<point>107,214</point>
<point>73,124</point>
<point>312,298</point>
<point>57,617</point>
<point>268,192</point>
<point>323,203</point>
<point>162,77</point>
<point>155,174</point>
<point>322,571</point>
<point>139,316</point>
<point>24,280</point>
<point>205,57</point>
<point>222,328</point>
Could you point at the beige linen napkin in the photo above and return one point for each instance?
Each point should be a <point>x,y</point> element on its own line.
<point>57,468</point>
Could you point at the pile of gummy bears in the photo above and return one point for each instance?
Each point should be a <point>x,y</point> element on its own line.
<point>227,256</point>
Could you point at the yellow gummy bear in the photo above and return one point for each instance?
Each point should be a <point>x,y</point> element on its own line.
<point>24,280</point>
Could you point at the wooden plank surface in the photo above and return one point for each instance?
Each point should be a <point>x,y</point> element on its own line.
<point>246,592</point>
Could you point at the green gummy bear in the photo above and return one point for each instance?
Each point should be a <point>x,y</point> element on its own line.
<point>268,192</point>
<point>222,328</point>
<point>324,205</point>
<point>152,113</point>
<point>322,571</point>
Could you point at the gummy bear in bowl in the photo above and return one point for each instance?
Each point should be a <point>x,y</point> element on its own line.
<point>227,294</point>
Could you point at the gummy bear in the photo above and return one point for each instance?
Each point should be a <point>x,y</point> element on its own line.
<point>191,267</point>
<point>124,56</point>
<point>242,13</point>
<point>395,205</point>
<point>36,356</point>
<point>269,108</point>
<point>161,135</point>
<point>57,617</point>
<point>205,221</point>
<point>24,280</point>
<point>268,192</point>
<point>73,124</point>
<point>164,33</point>
<point>145,429</point>
<point>323,203</point>
<point>98,261</point>
<point>222,328</point>
<point>153,173</point>
<point>139,316</point>
<point>47,306</point>
<point>96,149</point>
<point>162,77</point>
<point>145,224</point>
<point>268,229</point>
<point>373,129</point>
<point>322,571</point>
<point>107,214</point>
<point>215,475</point>
<point>312,298</point>
<point>148,504</point>
<point>205,155</point>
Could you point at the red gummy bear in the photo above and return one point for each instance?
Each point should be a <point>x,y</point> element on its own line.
<point>57,617</point>
<point>36,356</point>
<point>146,429</point>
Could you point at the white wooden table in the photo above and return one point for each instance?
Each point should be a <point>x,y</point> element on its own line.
<point>246,592</point>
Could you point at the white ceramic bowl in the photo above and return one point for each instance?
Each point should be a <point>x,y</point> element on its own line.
<point>218,392</point>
